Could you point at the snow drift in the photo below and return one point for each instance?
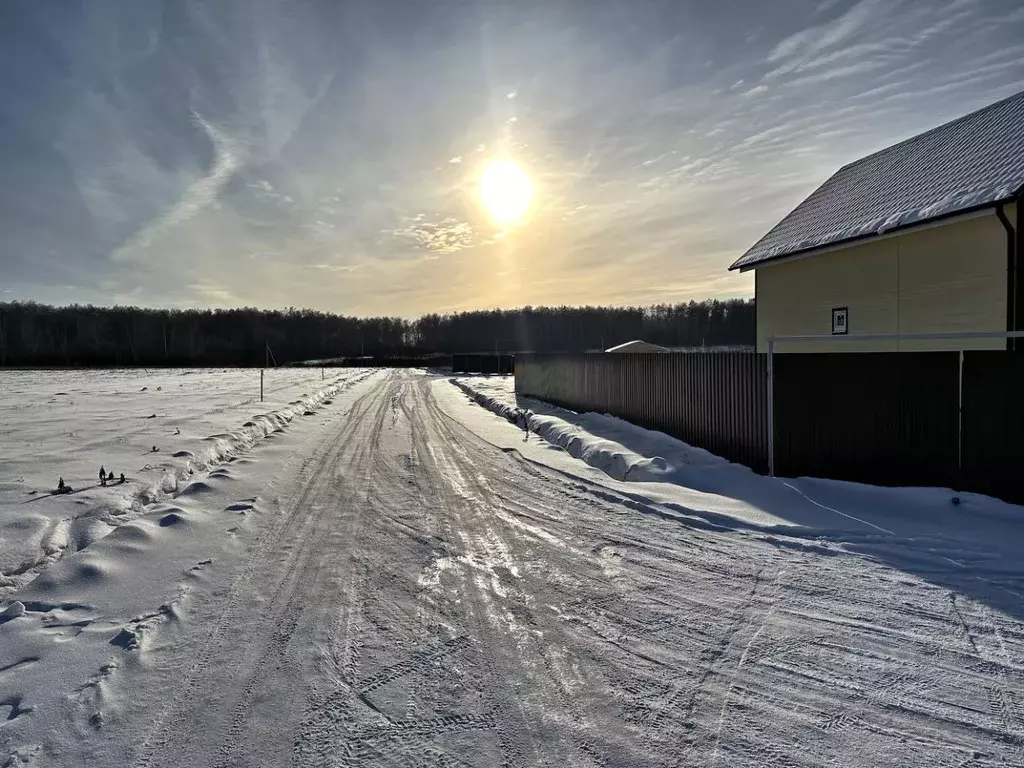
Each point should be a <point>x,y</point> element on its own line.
<point>611,457</point>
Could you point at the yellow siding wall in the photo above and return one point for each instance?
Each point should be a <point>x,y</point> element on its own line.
<point>949,278</point>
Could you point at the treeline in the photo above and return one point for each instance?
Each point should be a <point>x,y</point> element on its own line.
<point>34,334</point>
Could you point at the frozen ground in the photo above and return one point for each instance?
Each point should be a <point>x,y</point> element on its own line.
<point>403,578</point>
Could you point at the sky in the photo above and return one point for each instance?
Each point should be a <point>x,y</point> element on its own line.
<point>327,154</point>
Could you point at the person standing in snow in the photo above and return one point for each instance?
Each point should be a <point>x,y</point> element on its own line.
<point>103,475</point>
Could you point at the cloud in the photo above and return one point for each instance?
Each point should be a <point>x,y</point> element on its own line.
<point>446,235</point>
<point>210,291</point>
<point>836,73</point>
<point>334,267</point>
<point>825,6</point>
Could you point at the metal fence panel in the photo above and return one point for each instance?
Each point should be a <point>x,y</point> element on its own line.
<point>432,361</point>
<point>713,401</point>
<point>489,364</point>
<point>993,424</point>
<point>881,418</point>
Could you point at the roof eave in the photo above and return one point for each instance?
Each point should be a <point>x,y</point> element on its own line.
<point>860,239</point>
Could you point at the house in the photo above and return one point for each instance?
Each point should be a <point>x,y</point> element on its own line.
<point>637,346</point>
<point>922,237</point>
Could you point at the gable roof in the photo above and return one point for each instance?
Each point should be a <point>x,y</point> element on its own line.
<point>973,162</point>
<point>637,346</point>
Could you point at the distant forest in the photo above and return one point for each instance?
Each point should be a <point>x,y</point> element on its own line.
<point>39,335</point>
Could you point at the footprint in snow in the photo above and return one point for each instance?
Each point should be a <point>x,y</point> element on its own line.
<point>12,708</point>
<point>173,518</point>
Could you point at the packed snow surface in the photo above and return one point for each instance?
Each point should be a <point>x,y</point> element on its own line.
<point>375,570</point>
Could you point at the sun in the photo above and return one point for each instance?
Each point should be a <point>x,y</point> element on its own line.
<point>505,190</point>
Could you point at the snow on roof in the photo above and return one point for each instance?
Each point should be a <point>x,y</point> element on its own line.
<point>637,346</point>
<point>972,162</point>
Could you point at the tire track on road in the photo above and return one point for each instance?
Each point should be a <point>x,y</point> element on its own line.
<point>292,534</point>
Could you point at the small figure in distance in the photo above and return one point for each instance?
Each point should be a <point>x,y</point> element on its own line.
<point>63,487</point>
<point>122,478</point>
<point>110,476</point>
<point>103,475</point>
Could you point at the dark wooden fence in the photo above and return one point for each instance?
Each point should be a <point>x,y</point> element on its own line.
<point>500,364</point>
<point>882,418</point>
<point>431,361</point>
<point>993,424</point>
<point>714,401</point>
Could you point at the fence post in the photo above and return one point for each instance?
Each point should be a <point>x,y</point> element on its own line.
<point>960,420</point>
<point>261,385</point>
<point>771,407</point>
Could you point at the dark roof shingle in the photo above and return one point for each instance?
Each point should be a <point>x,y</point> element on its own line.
<point>973,161</point>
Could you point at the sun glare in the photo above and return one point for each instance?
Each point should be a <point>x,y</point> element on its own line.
<point>505,190</point>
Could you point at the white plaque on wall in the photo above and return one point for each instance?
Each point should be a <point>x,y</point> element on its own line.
<point>840,321</point>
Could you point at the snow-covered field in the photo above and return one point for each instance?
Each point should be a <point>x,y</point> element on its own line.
<point>375,570</point>
<point>67,424</point>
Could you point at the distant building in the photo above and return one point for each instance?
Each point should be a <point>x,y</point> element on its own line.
<point>637,346</point>
<point>922,237</point>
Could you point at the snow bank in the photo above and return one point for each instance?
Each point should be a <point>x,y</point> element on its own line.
<point>226,445</point>
<point>655,456</point>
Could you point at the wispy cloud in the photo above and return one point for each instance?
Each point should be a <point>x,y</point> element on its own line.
<point>806,43</point>
<point>212,292</point>
<point>228,155</point>
<point>335,267</point>
<point>446,235</point>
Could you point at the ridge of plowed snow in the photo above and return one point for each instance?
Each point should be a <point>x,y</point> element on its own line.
<point>237,441</point>
<point>611,457</point>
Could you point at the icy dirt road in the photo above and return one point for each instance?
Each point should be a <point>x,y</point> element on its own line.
<point>419,595</point>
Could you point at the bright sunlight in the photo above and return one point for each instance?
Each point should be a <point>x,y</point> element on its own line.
<point>505,190</point>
